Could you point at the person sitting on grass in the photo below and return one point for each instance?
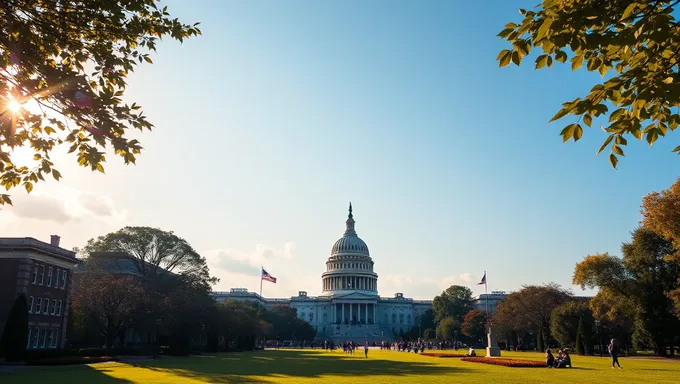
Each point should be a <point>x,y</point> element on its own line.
<point>549,358</point>
<point>565,360</point>
<point>472,353</point>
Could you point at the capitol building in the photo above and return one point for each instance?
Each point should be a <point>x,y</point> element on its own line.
<point>349,306</point>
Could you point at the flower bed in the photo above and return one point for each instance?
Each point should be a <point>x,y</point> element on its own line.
<point>436,354</point>
<point>506,362</point>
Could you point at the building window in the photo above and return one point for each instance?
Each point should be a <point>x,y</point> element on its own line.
<point>41,280</point>
<point>54,307</point>
<point>28,341</point>
<point>55,340</point>
<point>36,336</point>
<point>50,337</point>
<point>49,276</point>
<point>46,306</point>
<point>38,306</point>
<point>394,318</point>
<point>43,338</point>
<point>58,278</point>
<point>35,274</point>
<point>401,318</point>
<point>63,279</point>
<point>311,317</point>
<point>59,308</point>
<point>30,304</point>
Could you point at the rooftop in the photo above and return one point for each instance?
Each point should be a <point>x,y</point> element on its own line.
<point>29,243</point>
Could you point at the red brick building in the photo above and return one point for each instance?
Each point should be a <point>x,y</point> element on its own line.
<point>42,271</point>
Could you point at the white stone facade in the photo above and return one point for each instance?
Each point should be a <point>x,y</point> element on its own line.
<point>349,306</point>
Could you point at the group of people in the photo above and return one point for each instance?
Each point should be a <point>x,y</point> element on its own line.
<point>563,360</point>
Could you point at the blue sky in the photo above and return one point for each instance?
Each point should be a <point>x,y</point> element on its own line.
<point>282,112</point>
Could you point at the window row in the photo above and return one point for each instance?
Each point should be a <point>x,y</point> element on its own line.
<point>42,338</point>
<point>44,306</point>
<point>364,266</point>
<point>349,282</point>
<point>401,318</point>
<point>54,275</point>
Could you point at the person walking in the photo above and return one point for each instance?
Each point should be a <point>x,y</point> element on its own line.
<point>366,349</point>
<point>614,353</point>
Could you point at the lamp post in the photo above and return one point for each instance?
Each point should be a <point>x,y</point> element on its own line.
<point>599,339</point>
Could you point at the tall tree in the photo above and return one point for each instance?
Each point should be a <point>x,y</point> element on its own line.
<point>580,337</point>
<point>474,325</point>
<point>642,279</point>
<point>455,301</point>
<point>638,40</point>
<point>661,214</point>
<point>153,249</point>
<point>447,328</point>
<point>63,70</point>
<point>565,321</point>
<point>113,302</point>
<point>13,342</point>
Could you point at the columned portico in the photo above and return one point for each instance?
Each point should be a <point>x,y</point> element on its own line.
<point>353,312</point>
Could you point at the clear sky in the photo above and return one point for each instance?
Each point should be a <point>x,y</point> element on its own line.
<point>283,112</point>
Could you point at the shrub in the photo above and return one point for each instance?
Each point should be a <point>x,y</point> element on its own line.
<point>436,354</point>
<point>13,342</point>
<point>505,362</point>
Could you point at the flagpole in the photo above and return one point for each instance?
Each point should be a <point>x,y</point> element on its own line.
<point>261,269</point>
<point>486,294</point>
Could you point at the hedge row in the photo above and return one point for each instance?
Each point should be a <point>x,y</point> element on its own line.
<point>506,362</point>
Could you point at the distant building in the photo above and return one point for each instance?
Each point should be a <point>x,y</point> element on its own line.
<point>41,271</point>
<point>492,300</point>
<point>349,306</point>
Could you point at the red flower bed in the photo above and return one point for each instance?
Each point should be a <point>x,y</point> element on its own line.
<point>436,354</point>
<point>506,362</point>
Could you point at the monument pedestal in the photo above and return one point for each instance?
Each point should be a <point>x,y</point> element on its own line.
<point>492,349</point>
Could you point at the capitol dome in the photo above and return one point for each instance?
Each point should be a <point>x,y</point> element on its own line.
<point>350,267</point>
<point>350,243</point>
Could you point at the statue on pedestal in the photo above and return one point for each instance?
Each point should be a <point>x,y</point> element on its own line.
<point>492,349</point>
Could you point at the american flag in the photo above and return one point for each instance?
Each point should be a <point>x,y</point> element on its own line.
<point>268,277</point>
<point>483,280</point>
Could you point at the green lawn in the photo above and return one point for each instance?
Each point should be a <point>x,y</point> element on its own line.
<point>314,366</point>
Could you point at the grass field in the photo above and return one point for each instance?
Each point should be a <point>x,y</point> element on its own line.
<point>313,366</point>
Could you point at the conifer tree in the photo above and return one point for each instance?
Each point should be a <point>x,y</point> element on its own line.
<point>579,337</point>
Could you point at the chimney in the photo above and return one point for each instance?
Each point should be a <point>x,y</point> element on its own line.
<point>54,240</point>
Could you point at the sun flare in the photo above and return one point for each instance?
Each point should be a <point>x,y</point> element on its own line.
<point>14,106</point>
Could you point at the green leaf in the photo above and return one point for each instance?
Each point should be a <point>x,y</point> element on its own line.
<point>148,59</point>
<point>587,119</point>
<point>541,61</point>
<point>576,62</point>
<point>505,59</point>
<point>516,59</point>
<point>652,136</point>
<point>567,133</point>
<point>544,28</point>
<point>616,149</point>
<point>562,112</point>
<point>621,140</point>
<point>606,143</point>
<point>561,56</point>
<point>613,160</point>
<point>578,131</point>
<point>629,11</point>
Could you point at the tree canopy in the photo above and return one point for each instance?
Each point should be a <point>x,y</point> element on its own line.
<point>474,325</point>
<point>153,249</point>
<point>638,282</point>
<point>455,301</point>
<point>63,71</point>
<point>634,44</point>
<point>565,319</point>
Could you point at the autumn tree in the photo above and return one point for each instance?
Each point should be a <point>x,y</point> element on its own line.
<point>634,44</point>
<point>455,301</point>
<point>526,311</point>
<point>63,76</point>
<point>641,281</point>
<point>154,252</point>
<point>661,214</point>
<point>113,302</point>
<point>474,325</point>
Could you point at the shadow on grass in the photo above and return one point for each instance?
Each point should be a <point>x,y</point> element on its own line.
<point>257,367</point>
<point>66,374</point>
